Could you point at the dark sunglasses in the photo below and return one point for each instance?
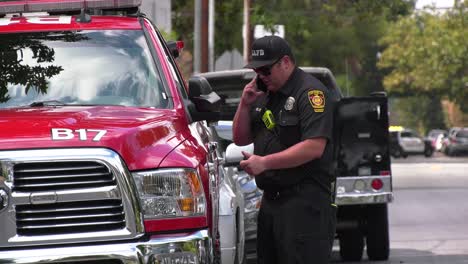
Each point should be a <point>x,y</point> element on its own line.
<point>266,70</point>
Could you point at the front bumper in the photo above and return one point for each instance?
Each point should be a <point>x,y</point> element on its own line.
<point>190,248</point>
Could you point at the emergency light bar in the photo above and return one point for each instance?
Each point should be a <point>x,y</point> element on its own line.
<point>15,6</point>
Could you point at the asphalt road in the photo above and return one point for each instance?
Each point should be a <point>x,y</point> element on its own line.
<point>428,218</point>
<point>429,215</point>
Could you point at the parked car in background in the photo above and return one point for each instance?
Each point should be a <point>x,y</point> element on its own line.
<point>404,142</point>
<point>231,208</point>
<point>434,134</point>
<point>439,142</point>
<point>445,139</point>
<point>457,142</point>
<point>251,194</point>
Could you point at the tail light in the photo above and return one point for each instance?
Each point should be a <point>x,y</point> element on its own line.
<point>18,6</point>
<point>377,184</point>
<point>170,193</point>
<point>385,173</point>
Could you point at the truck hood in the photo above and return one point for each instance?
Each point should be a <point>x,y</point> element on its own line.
<point>142,136</point>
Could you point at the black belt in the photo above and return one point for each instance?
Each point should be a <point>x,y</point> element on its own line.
<point>282,193</point>
<point>285,192</point>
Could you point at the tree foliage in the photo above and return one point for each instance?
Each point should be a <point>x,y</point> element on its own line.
<point>228,24</point>
<point>340,35</point>
<point>421,113</point>
<point>427,54</point>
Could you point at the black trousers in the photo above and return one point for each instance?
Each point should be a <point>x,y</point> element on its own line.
<point>296,227</point>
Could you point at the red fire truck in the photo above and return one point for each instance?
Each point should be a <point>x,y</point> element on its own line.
<point>104,150</point>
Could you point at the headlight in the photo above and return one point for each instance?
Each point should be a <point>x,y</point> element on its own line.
<point>169,193</point>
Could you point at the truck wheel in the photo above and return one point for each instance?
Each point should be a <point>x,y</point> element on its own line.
<point>351,245</point>
<point>377,239</point>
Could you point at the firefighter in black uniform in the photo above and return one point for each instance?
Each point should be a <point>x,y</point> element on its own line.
<point>288,115</point>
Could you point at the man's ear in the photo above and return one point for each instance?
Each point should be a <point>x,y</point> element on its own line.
<point>287,62</point>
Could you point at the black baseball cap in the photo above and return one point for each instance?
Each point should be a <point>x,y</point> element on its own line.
<point>267,50</point>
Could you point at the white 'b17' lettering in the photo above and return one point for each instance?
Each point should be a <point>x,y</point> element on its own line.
<point>37,20</point>
<point>83,134</point>
<point>49,20</point>
<point>7,21</point>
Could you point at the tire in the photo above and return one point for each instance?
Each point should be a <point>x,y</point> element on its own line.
<point>377,237</point>
<point>449,152</point>
<point>397,153</point>
<point>351,245</point>
<point>238,258</point>
<point>428,152</point>
<point>244,259</point>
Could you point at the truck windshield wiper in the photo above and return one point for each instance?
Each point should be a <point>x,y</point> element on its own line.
<point>47,103</point>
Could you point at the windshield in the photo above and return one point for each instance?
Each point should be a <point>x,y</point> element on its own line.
<point>112,67</point>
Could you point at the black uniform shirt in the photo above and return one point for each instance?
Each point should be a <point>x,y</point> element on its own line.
<point>302,109</point>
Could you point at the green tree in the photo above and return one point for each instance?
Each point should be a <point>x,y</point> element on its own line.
<point>421,113</point>
<point>427,55</point>
<point>228,24</point>
<point>340,35</point>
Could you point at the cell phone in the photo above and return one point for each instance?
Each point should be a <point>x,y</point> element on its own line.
<point>261,85</point>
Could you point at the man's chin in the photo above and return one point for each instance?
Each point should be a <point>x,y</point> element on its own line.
<point>271,87</point>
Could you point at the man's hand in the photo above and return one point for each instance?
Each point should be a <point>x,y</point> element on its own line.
<point>250,93</point>
<point>253,164</point>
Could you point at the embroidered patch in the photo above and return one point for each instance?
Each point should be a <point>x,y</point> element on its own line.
<point>317,100</point>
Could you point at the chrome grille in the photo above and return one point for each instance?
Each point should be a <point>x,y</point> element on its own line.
<point>100,261</point>
<point>67,196</point>
<point>49,176</point>
<point>69,217</point>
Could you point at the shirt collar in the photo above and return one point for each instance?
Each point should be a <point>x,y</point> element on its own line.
<point>290,84</point>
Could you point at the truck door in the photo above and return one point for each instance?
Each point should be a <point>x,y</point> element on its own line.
<point>361,136</point>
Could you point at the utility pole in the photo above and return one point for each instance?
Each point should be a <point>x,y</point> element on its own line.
<point>204,35</point>
<point>211,33</point>
<point>197,36</point>
<point>246,31</point>
<point>200,53</point>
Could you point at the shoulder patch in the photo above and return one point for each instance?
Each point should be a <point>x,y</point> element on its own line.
<point>317,100</point>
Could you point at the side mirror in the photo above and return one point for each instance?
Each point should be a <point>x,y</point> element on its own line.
<point>234,153</point>
<point>204,103</point>
<point>175,47</point>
